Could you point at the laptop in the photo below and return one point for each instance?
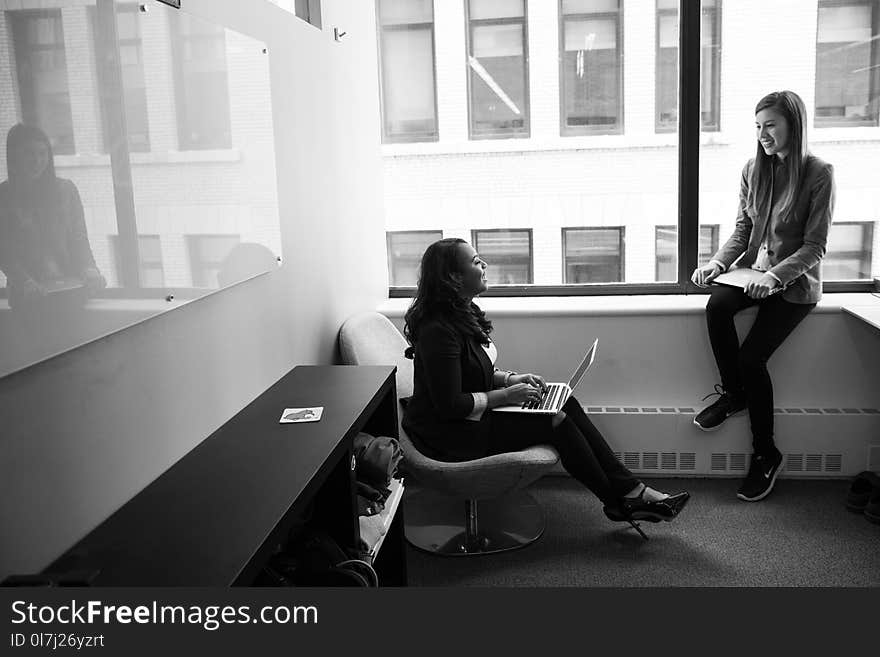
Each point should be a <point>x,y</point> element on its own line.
<point>556,394</point>
<point>740,276</point>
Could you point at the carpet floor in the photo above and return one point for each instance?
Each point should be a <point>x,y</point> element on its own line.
<point>801,535</point>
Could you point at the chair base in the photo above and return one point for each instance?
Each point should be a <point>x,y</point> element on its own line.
<point>453,527</point>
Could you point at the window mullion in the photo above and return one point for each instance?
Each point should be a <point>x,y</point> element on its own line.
<point>688,140</point>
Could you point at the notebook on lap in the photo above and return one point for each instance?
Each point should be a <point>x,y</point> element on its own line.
<point>740,276</point>
<point>556,394</point>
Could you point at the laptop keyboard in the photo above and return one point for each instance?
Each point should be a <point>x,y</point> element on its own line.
<point>548,399</point>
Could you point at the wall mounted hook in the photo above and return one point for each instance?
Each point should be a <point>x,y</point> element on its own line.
<point>338,34</point>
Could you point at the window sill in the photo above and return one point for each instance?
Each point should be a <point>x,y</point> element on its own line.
<point>152,157</point>
<point>595,306</point>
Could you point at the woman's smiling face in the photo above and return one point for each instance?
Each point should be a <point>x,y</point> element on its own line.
<point>772,132</point>
<point>472,270</point>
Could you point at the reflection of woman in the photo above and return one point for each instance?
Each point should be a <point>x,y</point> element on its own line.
<point>449,416</point>
<point>43,234</point>
<point>785,206</point>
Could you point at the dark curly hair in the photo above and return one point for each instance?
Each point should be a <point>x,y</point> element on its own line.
<point>439,296</point>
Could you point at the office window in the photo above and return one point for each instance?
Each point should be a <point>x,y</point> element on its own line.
<point>206,256</point>
<point>41,69</point>
<point>592,255</point>
<point>152,272</point>
<point>666,249</point>
<point>498,76</point>
<point>405,250</point>
<point>666,96</point>
<point>133,86</point>
<point>591,85</point>
<point>849,254</point>
<point>508,254</point>
<point>406,65</point>
<point>201,84</point>
<point>847,63</point>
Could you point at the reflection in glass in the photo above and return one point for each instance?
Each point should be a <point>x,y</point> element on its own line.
<point>157,126</point>
<point>44,243</point>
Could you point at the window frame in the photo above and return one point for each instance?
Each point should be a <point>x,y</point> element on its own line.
<point>414,137</point>
<point>568,131</point>
<point>715,230</point>
<point>621,249</point>
<point>874,80</point>
<point>404,290</point>
<point>867,240</point>
<point>528,231</point>
<point>470,24</point>
<point>715,91</point>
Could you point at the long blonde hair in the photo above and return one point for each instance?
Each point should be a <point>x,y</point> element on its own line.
<point>791,107</point>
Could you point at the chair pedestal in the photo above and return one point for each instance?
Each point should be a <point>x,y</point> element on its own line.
<point>453,527</point>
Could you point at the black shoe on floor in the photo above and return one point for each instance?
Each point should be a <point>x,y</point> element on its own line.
<point>711,417</point>
<point>861,489</point>
<point>763,471</point>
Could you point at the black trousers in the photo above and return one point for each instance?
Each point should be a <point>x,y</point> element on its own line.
<point>583,450</point>
<point>743,368</point>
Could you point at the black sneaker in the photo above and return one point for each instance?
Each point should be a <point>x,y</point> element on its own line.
<point>762,475</point>
<point>711,417</point>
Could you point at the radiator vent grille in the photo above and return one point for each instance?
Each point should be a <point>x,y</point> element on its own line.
<point>833,462</point>
<point>687,410</point>
<point>734,463</point>
<point>658,461</point>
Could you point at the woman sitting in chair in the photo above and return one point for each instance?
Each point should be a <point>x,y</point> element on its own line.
<point>456,386</point>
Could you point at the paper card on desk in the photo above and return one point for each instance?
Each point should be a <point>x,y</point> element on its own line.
<point>310,414</point>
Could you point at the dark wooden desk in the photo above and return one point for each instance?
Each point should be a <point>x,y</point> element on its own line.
<point>215,517</point>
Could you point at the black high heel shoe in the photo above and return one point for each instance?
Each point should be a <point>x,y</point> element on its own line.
<point>631,509</point>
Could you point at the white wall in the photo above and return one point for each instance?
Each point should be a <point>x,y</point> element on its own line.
<point>83,432</point>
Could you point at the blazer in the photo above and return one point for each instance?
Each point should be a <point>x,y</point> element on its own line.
<point>795,246</point>
<point>448,366</point>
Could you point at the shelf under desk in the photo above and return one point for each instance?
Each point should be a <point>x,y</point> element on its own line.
<point>215,516</point>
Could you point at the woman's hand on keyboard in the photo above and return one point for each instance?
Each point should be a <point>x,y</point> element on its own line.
<point>520,393</point>
<point>531,379</point>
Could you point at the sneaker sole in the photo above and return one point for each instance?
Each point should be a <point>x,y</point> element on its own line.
<point>766,492</point>
<point>717,426</point>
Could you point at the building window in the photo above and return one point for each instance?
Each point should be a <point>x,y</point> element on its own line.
<point>134,90</point>
<point>151,271</point>
<point>406,66</point>
<point>666,97</point>
<point>592,255</point>
<point>848,63</point>
<point>201,83</point>
<point>666,249</point>
<point>591,85</point>
<point>850,246</point>
<point>405,249</point>
<point>508,254</point>
<point>498,76</point>
<point>206,256</point>
<point>41,67</point>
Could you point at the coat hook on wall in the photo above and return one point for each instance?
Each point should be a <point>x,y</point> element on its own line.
<point>337,34</point>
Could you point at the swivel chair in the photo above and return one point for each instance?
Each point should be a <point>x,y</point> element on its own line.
<point>471,507</point>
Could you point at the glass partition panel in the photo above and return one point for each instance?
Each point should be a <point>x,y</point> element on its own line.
<point>139,169</point>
